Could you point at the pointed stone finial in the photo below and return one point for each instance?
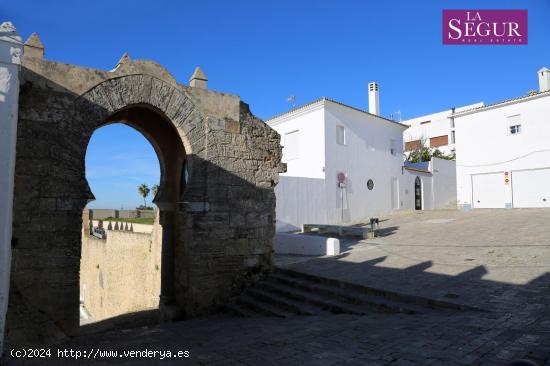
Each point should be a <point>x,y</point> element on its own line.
<point>34,47</point>
<point>110,226</point>
<point>198,79</point>
<point>116,225</point>
<point>131,227</point>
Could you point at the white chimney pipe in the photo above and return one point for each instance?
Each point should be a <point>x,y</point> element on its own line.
<point>544,79</point>
<point>374,99</point>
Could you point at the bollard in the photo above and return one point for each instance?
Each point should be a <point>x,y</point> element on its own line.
<point>373,226</point>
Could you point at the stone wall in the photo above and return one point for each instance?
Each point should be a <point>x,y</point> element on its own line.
<point>98,214</point>
<point>217,229</point>
<point>120,274</point>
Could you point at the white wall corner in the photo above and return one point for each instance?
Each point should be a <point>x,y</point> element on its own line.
<point>11,52</point>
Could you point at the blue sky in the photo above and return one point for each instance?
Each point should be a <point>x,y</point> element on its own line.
<point>115,170</point>
<point>265,51</point>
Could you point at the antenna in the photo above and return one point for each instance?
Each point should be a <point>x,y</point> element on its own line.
<point>292,100</point>
<point>397,116</point>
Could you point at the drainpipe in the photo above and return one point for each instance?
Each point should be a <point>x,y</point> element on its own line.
<point>11,51</point>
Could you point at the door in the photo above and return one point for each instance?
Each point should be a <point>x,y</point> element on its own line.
<point>394,193</point>
<point>531,188</point>
<point>488,190</point>
<point>417,194</point>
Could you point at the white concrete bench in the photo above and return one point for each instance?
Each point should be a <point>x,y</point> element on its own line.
<point>362,232</point>
<point>305,244</point>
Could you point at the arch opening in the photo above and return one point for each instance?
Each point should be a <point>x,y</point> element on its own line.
<point>127,267</point>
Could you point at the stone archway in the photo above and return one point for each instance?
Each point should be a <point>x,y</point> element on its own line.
<point>166,116</point>
<point>217,234</point>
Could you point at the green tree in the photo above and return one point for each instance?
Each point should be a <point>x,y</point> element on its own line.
<point>420,154</point>
<point>155,189</point>
<point>143,190</point>
<point>439,154</point>
<point>424,153</point>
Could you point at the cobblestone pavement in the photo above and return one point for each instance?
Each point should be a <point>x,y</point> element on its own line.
<point>494,260</point>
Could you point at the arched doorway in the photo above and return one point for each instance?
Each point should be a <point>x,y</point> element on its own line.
<point>120,265</point>
<point>169,148</point>
<point>418,193</point>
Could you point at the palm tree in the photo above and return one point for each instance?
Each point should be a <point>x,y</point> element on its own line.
<point>155,189</point>
<point>143,190</point>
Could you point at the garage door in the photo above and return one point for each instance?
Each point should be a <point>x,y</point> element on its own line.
<point>531,188</point>
<point>488,190</point>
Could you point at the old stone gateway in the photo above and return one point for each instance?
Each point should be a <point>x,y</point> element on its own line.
<point>216,230</point>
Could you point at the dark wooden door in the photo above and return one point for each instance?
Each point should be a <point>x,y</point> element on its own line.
<point>417,194</point>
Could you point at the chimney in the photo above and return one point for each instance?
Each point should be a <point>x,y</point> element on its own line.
<point>544,79</point>
<point>198,79</point>
<point>374,99</point>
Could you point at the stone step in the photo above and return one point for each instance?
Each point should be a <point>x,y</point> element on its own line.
<point>386,294</point>
<point>240,310</point>
<point>282,301</point>
<point>317,300</point>
<point>262,307</point>
<point>370,302</point>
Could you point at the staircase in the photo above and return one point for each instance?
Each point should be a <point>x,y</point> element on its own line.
<point>286,292</point>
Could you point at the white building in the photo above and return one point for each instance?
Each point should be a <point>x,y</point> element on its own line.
<point>436,130</point>
<point>326,140</point>
<point>11,52</point>
<point>503,152</point>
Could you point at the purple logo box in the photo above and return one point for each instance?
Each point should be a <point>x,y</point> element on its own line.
<point>485,27</point>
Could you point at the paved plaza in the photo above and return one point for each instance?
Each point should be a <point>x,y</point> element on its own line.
<point>494,262</point>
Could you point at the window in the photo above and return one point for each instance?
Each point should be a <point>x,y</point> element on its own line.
<point>392,147</point>
<point>290,150</point>
<point>412,145</point>
<point>515,129</point>
<point>514,124</point>
<point>452,122</point>
<point>340,135</point>
<point>439,141</point>
<point>453,138</point>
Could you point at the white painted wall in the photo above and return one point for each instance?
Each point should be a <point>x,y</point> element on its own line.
<point>408,186</point>
<point>11,50</point>
<point>300,200</point>
<point>310,161</point>
<point>304,196</point>
<point>309,193</point>
<point>443,183</point>
<point>484,144</point>
<point>366,155</point>
<point>439,125</point>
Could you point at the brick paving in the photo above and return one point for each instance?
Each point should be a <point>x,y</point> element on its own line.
<point>508,280</point>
